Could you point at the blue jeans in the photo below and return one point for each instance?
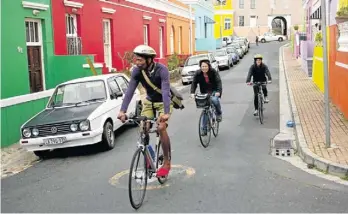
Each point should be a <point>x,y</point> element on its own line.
<point>216,102</point>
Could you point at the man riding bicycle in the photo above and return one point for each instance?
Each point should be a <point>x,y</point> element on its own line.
<point>259,71</point>
<point>209,82</point>
<point>154,102</point>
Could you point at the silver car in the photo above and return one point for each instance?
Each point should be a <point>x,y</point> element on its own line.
<point>223,58</point>
<point>239,49</point>
<point>192,65</point>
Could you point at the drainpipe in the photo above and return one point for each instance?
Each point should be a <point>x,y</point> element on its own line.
<point>190,46</point>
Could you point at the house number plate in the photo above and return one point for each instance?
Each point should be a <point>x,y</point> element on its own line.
<point>53,141</point>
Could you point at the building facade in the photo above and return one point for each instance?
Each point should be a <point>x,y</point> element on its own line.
<point>204,24</point>
<point>254,17</point>
<point>223,16</point>
<point>30,69</point>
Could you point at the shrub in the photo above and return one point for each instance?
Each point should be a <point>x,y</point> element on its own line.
<point>296,27</point>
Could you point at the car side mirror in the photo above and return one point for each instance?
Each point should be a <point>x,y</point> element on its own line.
<point>214,60</point>
<point>116,95</point>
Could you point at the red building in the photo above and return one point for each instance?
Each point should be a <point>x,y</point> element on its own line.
<point>106,29</point>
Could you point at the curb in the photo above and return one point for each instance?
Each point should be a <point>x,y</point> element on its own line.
<point>301,145</point>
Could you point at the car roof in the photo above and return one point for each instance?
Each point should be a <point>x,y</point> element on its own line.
<point>91,78</point>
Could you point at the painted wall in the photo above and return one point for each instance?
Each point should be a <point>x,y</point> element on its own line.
<point>203,43</point>
<point>318,68</point>
<point>91,29</point>
<point>219,26</point>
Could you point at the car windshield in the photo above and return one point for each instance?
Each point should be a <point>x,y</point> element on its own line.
<point>220,53</point>
<point>231,50</point>
<point>241,42</point>
<point>235,45</point>
<point>76,93</point>
<point>195,60</point>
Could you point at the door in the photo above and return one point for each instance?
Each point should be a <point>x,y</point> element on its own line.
<point>107,43</point>
<point>34,54</point>
<point>252,21</point>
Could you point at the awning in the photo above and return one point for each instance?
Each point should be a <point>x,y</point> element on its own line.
<point>208,20</point>
<point>316,14</point>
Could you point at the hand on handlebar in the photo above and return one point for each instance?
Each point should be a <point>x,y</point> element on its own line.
<point>122,116</point>
<point>249,83</point>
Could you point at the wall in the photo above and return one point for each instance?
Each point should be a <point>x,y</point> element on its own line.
<point>202,43</point>
<point>220,24</point>
<point>91,29</point>
<point>318,68</point>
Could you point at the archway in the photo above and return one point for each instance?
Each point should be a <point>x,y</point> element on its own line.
<point>280,25</point>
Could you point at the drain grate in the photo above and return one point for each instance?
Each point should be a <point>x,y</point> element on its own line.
<point>281,147</point>
<point>283,152</point>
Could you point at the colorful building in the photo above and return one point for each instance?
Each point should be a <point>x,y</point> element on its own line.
<point>204,20</point>
<point>223,17</point>
<point>180,37</point>
<point>29,66</point>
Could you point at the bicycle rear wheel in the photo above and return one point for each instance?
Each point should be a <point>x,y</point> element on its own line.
<point>260,109</point>
<point>159,162</point>
<point>205,131</point>
<point>138,176</point>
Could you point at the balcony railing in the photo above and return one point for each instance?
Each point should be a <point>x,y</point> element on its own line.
<point>74,45</point>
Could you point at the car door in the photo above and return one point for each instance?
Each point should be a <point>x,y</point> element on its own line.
<point>123,84</point>
<point>115,102</point>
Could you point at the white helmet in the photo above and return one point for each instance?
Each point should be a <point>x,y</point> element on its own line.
<point>144,50</point>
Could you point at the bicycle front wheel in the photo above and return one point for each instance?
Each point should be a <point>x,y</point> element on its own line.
<point>204,129</point>
<point>215,125</point>
<point>137,177</point>
<point>260,109</point>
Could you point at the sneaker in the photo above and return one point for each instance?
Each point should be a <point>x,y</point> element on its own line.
<point>219,118</point>
<point>256,112</point>
<point>266,100</point>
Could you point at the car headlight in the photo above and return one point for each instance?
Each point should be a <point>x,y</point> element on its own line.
<point>84,125</point>
<point>26,132</point>
<point>35,132</point>
<point>73,127</point>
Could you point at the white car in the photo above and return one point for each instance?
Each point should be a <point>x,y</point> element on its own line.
<point>192,65</point>
<point>79,112</point>
<point>223,58</point>
<point>268,37</point>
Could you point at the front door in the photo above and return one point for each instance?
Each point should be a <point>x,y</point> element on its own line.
<point>34,54</point>
<point>107,43</point>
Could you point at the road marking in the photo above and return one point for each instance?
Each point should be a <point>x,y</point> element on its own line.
<point>175,171</point>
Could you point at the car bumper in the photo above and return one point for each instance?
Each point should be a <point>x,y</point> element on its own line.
<point>223,64</point>
<point>187,79</point>
<point>72,140</point>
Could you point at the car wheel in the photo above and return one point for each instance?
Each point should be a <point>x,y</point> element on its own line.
<point>108,137</point>
<point>280,39</point>
<point>263,40</point>
<point>42,154</point>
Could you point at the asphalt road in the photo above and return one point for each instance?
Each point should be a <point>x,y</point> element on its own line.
<point>234,174</point>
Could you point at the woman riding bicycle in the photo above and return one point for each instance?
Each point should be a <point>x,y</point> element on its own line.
<point>209,83</point>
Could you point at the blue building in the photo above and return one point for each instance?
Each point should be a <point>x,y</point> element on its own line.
<point>204,22</point>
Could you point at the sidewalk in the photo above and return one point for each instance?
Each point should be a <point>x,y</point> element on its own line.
<point>309,106</point>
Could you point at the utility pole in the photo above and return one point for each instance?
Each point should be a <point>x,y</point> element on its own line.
<point>326,74</point>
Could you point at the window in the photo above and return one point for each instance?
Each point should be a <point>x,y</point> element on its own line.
<point>161,41</point>
<point>73,41</point>
<point>241,4</point>
<point>179,39</point>
<point>241,21</point>
<point>122,83</point>
<point>227,23</point>
<point>146,35</point>
<point>252,4</point>
<point>113,87</point>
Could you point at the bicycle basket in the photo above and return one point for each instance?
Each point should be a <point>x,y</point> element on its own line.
<point>202,100</point>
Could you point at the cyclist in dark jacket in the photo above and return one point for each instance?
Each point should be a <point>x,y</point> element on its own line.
<point>259,71</point>
<point>209,82</point>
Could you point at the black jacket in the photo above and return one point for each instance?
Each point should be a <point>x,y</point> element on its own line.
<point>259,73</point>
<point>214,79</point>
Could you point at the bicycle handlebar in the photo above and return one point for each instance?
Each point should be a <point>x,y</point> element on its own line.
<point>138,119</point>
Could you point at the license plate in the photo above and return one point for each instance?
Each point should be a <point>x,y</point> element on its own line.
<point>54,141</point>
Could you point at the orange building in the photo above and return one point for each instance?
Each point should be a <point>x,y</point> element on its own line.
<point>180,38</point>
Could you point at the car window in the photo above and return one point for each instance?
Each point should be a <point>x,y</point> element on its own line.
<point>114,88</point>
<point>212,58</point>
<point>123,83</point>
<point>194,60</point>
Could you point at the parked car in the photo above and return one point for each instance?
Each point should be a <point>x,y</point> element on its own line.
<point>223,58</point>
<point>192,65</point>
<point>234,54</point>
<point>239,49</point>
<point>243,45</point>
<point>226,40</point>
<point>246,41</point>
<point>79,112</point>
<point>268,37</point>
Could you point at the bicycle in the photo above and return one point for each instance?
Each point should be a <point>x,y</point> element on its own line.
<point>260,99</point>
<point>203,101</point>
<point>152,161</point>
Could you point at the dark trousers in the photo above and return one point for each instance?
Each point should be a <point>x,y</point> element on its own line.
<point>256,90</point>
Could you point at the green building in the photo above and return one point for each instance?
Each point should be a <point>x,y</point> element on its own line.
<point>29,68</point>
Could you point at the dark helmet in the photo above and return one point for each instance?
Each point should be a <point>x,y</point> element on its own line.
<point>204,60</point>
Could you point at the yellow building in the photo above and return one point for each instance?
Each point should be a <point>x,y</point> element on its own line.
<point>223,17</point>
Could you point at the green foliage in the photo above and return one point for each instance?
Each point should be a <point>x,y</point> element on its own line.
<point>173,62</point>
<point>296,27</point>
<point>343,11</point>
<point>318,39</point>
